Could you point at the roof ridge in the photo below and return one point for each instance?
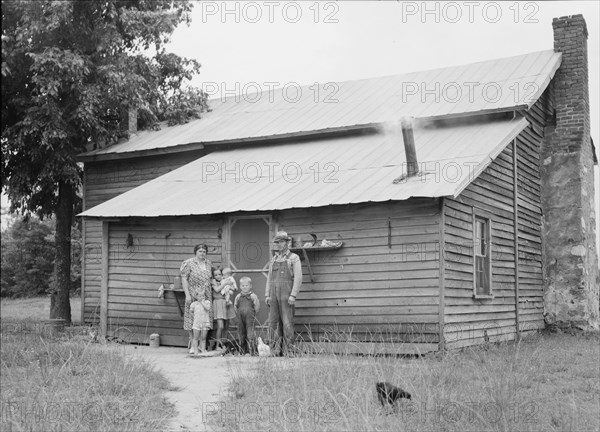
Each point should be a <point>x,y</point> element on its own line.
<point>420,71</point>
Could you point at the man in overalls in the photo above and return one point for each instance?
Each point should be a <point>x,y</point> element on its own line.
<point>283,284</point>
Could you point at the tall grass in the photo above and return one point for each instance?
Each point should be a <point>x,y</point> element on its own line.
<point>547,383</point>
<point>62,382</point>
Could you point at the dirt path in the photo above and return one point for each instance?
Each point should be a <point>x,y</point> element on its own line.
<point>199,382</point>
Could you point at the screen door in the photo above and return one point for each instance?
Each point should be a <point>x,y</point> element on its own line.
<point>249,254</point>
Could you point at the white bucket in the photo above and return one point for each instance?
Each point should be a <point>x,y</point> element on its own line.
<point>154,340</point>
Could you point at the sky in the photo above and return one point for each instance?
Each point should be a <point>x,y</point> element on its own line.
<point>244,46</point>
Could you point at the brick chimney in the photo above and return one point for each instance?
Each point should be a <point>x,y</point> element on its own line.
<point>567,172</point>
<point>129,118</point>
<point>410,152</point>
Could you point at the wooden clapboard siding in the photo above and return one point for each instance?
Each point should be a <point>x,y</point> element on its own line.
<point>529,142</point>
<point>91,270</point>
<point>106,180</point>
<point>367,289</point>
<point>135,273</point>
<point>466,318</point>
<point>364,292</point>
<point>103,181</point>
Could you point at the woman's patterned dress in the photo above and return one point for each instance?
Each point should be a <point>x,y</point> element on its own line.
<point>198,275</point>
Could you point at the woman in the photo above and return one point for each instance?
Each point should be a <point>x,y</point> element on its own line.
<point>195,279</point>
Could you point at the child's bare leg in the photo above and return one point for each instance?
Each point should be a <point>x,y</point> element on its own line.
<point>220,327</point>
<point>195,340</point>
<point>203,340</point>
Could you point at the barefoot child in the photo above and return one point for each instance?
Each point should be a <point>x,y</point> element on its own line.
<point>222,312</point>
<point>200,310</point>
<point>246,307</point>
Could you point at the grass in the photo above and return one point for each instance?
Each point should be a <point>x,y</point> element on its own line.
<point>59,381</point>
<point>35,308</point>
<point>548,382</point>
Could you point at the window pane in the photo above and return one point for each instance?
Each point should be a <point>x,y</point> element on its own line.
<point>486,276</point>
<point>479,276</point>
<point>482,258</point>
<point>481,240</point>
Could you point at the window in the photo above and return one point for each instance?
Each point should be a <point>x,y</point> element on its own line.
<point>482,260</point>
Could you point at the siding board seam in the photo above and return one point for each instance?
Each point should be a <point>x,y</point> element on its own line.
<point>516,233</point>
<point>104,280</point>
<point>442,266</point>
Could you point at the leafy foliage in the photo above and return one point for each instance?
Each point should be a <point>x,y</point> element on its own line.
<point>69,69</point>
<point>28,258</point>
<point>69,72</point>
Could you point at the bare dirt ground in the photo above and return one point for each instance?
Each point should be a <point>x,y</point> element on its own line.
<point>199,381</point>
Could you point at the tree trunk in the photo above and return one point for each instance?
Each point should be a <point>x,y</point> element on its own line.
<point>60,306</point>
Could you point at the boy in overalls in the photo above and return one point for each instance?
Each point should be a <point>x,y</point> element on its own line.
<point>246,307</point>
<point>283,284</point>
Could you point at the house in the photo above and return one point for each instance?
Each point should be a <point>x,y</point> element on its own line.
<point>469,220</point>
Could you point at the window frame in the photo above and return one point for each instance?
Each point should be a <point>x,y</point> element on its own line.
<point>478,216</point>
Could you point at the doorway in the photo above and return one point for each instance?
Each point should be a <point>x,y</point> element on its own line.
<point>249,254</point>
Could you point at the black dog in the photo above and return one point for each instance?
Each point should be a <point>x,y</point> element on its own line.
<point>389,393</point>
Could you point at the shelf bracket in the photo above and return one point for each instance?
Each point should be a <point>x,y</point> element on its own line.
<point>305,251</point>
<point>179,298</point>
<point>312,277</point>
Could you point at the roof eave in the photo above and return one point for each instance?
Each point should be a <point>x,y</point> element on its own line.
<point>99,157</point>
<point>319,133</point>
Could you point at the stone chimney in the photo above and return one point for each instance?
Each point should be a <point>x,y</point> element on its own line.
<point>567,173</point>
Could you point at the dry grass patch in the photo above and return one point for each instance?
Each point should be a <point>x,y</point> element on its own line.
<point>545,383</point>
<point>63,382</point>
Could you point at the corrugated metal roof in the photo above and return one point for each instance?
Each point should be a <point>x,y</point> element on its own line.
<point>494,85</point>
<point>318,173</point>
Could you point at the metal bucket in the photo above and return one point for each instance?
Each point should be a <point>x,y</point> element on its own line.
<point>154,340</point>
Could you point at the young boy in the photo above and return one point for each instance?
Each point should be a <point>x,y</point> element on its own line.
<point>246,307</point>
<point>229,285</point>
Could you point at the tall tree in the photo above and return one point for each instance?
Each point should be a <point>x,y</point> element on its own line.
<point>69,70</point>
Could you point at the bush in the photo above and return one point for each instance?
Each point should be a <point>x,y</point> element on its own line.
<point>28,258</point>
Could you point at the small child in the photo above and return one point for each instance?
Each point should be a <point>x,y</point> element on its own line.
<point>222,312</point>
<point>228,284</point>
<point>201,323</point>
<point>246,307</point>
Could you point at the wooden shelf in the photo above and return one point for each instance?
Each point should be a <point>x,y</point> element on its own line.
<point>315,248</point>
<point>179,297</point>
<point>305,251</point>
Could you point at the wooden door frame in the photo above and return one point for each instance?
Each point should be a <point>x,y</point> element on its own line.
<point>227,232</point>
<point>229,221</point>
